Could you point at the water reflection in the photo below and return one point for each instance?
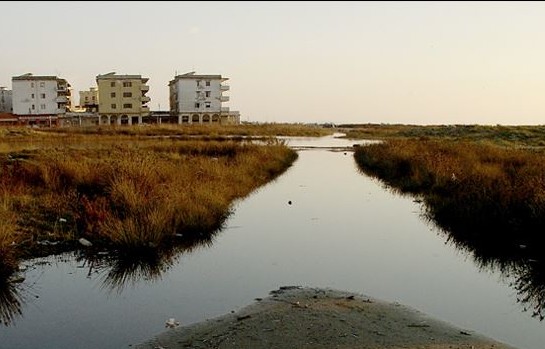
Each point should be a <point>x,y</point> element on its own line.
<point>119,269</point>
<point>115,269</point>
<point>515,255</point>
<point>11,301</point>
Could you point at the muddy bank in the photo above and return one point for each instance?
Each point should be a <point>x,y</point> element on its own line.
<point>296,317</point>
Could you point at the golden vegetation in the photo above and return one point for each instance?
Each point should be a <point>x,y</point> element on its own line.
<point>122,189</point>
<point>499,135</point>
<point>479,188</point>
<point>209,131</point>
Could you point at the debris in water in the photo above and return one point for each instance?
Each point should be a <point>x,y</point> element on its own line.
<point>85,242</point>
<point>171,323</point>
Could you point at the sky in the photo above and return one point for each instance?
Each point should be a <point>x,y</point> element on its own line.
<point>425,63</point>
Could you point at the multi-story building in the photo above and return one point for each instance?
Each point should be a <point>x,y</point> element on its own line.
<point>122,98</point>
<point>40,99</point>
<point>88,100</point>
<point>5,100</point>
<point>198,99</point>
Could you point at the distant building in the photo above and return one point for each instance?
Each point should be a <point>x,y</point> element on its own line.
<point>122,98</point>
<point>40,99</point>
<point>5,100</point>
<point>88,100</point>
<point>197,99</point>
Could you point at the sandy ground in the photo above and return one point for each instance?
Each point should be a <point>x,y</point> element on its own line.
<point>296,317</point>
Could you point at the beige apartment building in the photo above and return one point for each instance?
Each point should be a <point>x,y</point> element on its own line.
<point>122,99</point>
<point>88,100</point>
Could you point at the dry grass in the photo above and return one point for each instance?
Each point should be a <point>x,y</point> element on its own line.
<point>123,190</point>
<point>527,136</point>
<point>209,131</point>
<point>468,186</point>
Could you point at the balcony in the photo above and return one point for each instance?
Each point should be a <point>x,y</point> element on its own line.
<point>61,99</point>
<point>144,109</point>
<point>144,88</point>
<point>145,99</point>
<point>224,88</point>
<point>224,98</point>
<point>224,110</point>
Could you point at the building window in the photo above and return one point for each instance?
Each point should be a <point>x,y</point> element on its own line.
<point>208,83</point>
<point>198,83</point>
<point>93,98</point>
<point>112,94</point>
<point>42,106</point>
<point>114,106</point>
<point>32,95</point>
<point>42,95</point>
<point>207,93</point>
<point>197,105</point>
<point>33,107</point>
<point>127,105</point>
<point>207,104</point>
<point>112,84</point>
<point>86,99</point>
<point>127,84</point>
<point>127,94</point>
<point>42,84</point>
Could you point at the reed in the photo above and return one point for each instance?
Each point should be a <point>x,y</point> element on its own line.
<point>468,187</point>
<point>123,190</point>
<point>8,237</point>
<point>211,130</point>
<point>526,136</point>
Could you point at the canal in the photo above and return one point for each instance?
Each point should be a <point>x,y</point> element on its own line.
<point>321,224</point>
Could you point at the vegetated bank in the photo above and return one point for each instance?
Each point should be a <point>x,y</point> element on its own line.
<point>517,136</point>
<point>480,179</point>
<point>121,189</point>
<point>487,195</point>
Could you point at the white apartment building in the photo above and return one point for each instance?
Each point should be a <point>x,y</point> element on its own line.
<point>199,99</point>
<point>40,98</point>
<point>5,100</point>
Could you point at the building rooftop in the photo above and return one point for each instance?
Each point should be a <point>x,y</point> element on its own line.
<point>193,76</point>
<point>114,76</point>
<point>30,76</point>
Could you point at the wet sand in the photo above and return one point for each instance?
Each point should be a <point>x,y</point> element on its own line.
<point>297,317</point>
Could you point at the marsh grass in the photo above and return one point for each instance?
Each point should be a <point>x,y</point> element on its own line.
<point>123,190</point>
<point>209,131</point>
<point>526,136</point>
<point>469,188</point>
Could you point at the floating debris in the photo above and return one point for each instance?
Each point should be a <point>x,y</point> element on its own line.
<point>171,323</point>
<point>85,242</point>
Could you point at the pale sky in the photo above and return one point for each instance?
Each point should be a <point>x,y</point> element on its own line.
<point>341,62</point>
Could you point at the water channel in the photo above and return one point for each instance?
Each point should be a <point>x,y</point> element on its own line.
<point>321,224</point>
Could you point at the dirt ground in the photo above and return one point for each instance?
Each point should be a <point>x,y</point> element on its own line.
<point>296,317</point>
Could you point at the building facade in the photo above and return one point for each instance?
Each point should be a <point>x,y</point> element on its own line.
<point>88,100</point>
<point>198,99</point>
<point>5,100</point>
<point>40,99</point>
<point>122,99</point>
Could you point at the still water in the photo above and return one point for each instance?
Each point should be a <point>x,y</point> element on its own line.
<point>342,230</point>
